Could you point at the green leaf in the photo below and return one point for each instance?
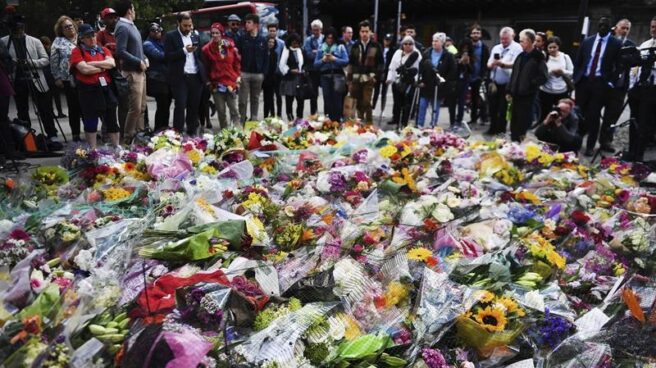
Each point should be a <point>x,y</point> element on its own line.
<point>361,347</point>
<point>45,305</point>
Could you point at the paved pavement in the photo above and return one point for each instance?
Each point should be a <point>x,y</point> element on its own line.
<point>621,141</point>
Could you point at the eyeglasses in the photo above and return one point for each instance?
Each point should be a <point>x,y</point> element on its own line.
<point>407,44</point>
<point>69,26</point>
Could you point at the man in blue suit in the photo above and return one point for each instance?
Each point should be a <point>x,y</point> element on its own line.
<point>594,77</point>
<point>186,73</point>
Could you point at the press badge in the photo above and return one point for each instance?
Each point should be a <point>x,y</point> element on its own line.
<point>103,81</point>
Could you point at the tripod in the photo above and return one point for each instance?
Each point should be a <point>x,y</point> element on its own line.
<point>34,86</point>
<point>630,121</point>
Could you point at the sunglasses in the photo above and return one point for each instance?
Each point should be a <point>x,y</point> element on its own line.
<point>407,44</point>
<point>69,26</point>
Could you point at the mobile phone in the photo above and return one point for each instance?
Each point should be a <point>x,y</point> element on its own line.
<point>194,41</point>
<point>497,56</point>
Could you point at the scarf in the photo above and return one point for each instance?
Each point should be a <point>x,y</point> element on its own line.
<point>92,50</point>
<point>329,49</point>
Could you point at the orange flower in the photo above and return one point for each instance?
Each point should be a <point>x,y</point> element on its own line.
<point>328,218</point>
<point>9,183</point>
<point>308,234</point>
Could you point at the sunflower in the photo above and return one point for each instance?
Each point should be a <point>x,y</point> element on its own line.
<point>511,306</point>
<point>491,319</point>
<point>485,296</point>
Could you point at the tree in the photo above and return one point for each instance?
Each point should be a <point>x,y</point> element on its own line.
<point>41,15</point>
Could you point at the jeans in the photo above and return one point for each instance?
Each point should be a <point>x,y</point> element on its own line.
<point>163,112</point>
<point>137,103</point>
<point>249,91</point>
<point>221,100</point>
<point>187,97</point>
<point>332,100</point>
<point>424,102</point>
<point>73,108</point>
<point>315,78</point>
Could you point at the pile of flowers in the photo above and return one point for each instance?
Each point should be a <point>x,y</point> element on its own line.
<point>315,244</point>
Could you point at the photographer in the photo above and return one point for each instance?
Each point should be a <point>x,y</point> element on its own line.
<point>402,72</point>
<point>560,127</point>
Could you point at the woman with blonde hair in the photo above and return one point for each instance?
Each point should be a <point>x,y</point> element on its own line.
<point>60,55</point>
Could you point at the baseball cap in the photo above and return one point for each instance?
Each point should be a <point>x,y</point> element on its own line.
<point>86,30</point>
<point>107,11</point>
<point>234,18</point>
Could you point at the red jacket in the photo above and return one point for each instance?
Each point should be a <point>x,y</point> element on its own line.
<point>222,67</point>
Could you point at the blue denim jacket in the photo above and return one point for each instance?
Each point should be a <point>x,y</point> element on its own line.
<point>340,54</point>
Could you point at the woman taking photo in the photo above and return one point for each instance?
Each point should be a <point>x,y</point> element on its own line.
<point>271,84</point>
<point>90,64</point>
<point>331,60</point>
<point>60,55</point>
<point>291,68</point>
<point>223,65</point>
<point>560,69</point>
<point>402,73</point>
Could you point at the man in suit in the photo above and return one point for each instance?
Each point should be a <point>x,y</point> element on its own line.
<point>617,95</point>
<point>186,73</point>
<point>594,77</point>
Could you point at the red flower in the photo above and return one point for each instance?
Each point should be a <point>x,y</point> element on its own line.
<point>580,218</point>
<point>562,230</point>
<point>430,225</point>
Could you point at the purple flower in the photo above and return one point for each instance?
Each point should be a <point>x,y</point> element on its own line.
<point>230,174</point>
<point>360,176</point>
<point>337,182</point>
<point>433,358</point>
<point>360,156</point>
<point>554,329</point>
<point>521,215</point>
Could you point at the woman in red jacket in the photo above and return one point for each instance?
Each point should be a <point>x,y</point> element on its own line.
<point>223,65</point>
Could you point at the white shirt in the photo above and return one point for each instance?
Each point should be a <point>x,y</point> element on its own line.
<point>601,55</point>
<point>508,56</point>
<point>190,66</point>
<point>399,58</point>
<point>636,71</point>
<point>284,69</point>
<point>556,84</point>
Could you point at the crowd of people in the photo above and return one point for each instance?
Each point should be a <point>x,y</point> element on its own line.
<point>105,75</point>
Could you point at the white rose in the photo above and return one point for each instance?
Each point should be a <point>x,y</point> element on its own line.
<point>442,213</point>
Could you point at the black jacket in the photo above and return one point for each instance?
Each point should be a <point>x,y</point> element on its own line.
<point>528,74</point>
<point>176,58</point>
<point>372,62</point>
<point>608,60</point>
<point>446,68</point>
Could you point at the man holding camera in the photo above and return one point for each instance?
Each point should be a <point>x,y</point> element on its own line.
<point>560,127</point>
<point>646,95</point>
<point>186,73</point>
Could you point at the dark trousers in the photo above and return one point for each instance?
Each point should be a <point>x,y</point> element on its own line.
<point>163,112</point>
<point>498,107</point>
<point>612,112</point>
<point>548,101</point>
<point>477,104</point>
<point>591,96</point>
<point>73,103</point>
<point>289,102</point>
<point>380,89</point>
<point>187,97</point>
<point>522,116</point>
<point>271,89</point>
<point>42,100</point>
<point>461,97</point>
<point>315,77</point>
<point>332,100</point>
<point>646,126</point>
<point>402,104</point>
<point>204,107</point>
<point>7,139</point>
<point>634,136</point>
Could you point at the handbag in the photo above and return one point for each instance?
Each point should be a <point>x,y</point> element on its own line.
<point>339,83</point>
<point>569,83</point>
<point>304,88</point>
<point>120,83</point>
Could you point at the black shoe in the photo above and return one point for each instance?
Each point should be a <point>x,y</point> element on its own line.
<point>607,147</point>
<point>589,152</point>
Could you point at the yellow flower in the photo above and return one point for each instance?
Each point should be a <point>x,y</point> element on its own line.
<point>484,296</point>
<point>619,269</point>
<point>511,306</point>
<point>406,179</point>
<point>419,254</point>
<point>406,151</point>
<point>253,200</point>
<point>388,151</point>
<point>351,327</point>
<point>492,319</point>
<point>208,169</point>
<point>194,156</point>
<point>115,194</point>
<point>528,196</point>
<point>532,152</point>
<point>396,293</point>
<point>556,259</point>
<point>205,206</point>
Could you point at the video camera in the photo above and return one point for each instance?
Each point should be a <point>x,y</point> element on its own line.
<point>634,56</point>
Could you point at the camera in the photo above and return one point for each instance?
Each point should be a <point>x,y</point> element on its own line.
<point>497,56</point>
<point>556,111</point>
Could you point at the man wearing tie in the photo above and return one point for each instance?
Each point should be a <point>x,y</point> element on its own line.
<point>594,77</point>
